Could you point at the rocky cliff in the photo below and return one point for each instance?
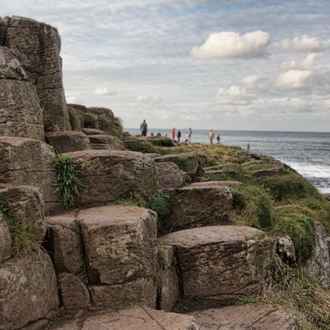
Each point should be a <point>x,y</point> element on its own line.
<point>146,231</point>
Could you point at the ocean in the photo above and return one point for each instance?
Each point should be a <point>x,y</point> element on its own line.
<point>306,152</point>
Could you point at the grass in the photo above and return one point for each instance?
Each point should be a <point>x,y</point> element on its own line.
<point>67,181</point>
<point>22,239</point>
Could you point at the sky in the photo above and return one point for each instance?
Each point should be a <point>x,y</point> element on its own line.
<point>205,64</point>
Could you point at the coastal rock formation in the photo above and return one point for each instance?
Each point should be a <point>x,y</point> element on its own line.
<point>168,175</point>
<point>26,204</point>
<point>68,141</point>
<point>207,203</point>
<point>110,174</point>
<point>221,261</point>
<point>29,162</point>
<point>99,142</point>
<point>5,240</point>
<point>20,111</point>
<point>37,47</point>
<point>28,289</point>
<point>138,318</point>
<point>249,316</point>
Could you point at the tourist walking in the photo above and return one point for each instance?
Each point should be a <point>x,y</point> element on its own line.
<point>178,135</point>
<point>173,133</point>
<point>247,149</point>
<point>144,128</point>
<point>218,138</point>
<point>211,136</point>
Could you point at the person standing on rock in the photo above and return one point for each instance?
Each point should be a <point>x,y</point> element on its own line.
<point>178,135</point>
<point>144,128</point>
<point>188,135</point>
<point>218,138</point>
<point>211,136</point>
<point>247,149</point>
<point>173,133</point>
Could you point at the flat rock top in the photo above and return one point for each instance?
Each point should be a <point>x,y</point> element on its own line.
<point>214,183</point>
<point>250,316</point>
<point>139,318</point>
<point>211,235</point>
<point>112,214</point>
<point>105,153</point>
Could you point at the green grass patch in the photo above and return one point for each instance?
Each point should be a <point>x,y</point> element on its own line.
<point>67,181</point>
<point>162,205</point>
<point>252,206</point>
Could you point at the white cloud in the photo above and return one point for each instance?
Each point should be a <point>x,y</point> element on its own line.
<point>233,45</point>
<point>234,96</point>
<point>305,64</point>
<point>255,83</point>
<point>293,80</point>
<point>103,91</point>
<point>149,99</point>
<point>303,44</point>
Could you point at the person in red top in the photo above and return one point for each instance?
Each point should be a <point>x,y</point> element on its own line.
<point>173,133</point>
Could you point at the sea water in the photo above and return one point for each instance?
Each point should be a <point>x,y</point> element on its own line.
<point>306,152</point>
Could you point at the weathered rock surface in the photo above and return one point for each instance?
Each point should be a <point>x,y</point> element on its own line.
<point>29,162</point>
<point>110,174</point>
<point>65,243</point>
<point>285,250</point>
<point>203,204</point>
<point>26,204</point>
<point>73,292</point>
<point>68,141</point>
<point>143,318</point>
<point>20,111</point>
<point>28,290</point>
<point>168,175</point>
<point>318,265</point>
<point>187,162</point>
<point>222,261</point>
<point>120,243</point>
<point>105,141</point>
<point>37,47</point>
<point>249,316</point>
<point>5,240</point>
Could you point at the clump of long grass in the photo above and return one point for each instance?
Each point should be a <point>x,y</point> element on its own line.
<point>67,182</point>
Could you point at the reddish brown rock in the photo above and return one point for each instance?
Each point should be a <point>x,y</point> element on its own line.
<point>168,175</point>
<point>222,261</point>
<point>120,243</point>
<point>28,289</point>
<point>5,240</point>
<point>105,141</point>
<point>68,141</point>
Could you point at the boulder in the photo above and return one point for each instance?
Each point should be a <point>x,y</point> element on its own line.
<point>111,174</point>
<point>107,141</point>
<point>187,162</point>
<point>168,280</point>
<point>68,141</point>
<point>65,243</point>
<point>120,243</point>
<point>222,262</point>
<point>37,47</point>
<point>143,318</point>
<point>141,291</point>
<point>28,290</point>
<point>21,114</point>
<point>73,292</point>
<point>26,204</point>
<point>248,316</point>
<point>10,67</point>
<point>92,131</point>
<point>168,175</point>
<point>5,240</point>
<point>29,162</point>
<point>203,204</point>
<point>285,250</point>
<point>318,265</point>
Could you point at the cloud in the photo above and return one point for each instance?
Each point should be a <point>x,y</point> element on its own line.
<point>293,80</point>
<point>103,91</point>
<point>149,99</point>
<point>305,64</point>
<point>234,96</point>
<point>233,45</point>
<point>303,44</point>
<point>255,83</point>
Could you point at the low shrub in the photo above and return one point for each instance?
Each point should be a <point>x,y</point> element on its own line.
<point>182,163</point>
<point>162,205</point>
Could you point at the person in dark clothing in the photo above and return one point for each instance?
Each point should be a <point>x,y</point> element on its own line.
<point>144,128</point>
<point>178,135</point>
